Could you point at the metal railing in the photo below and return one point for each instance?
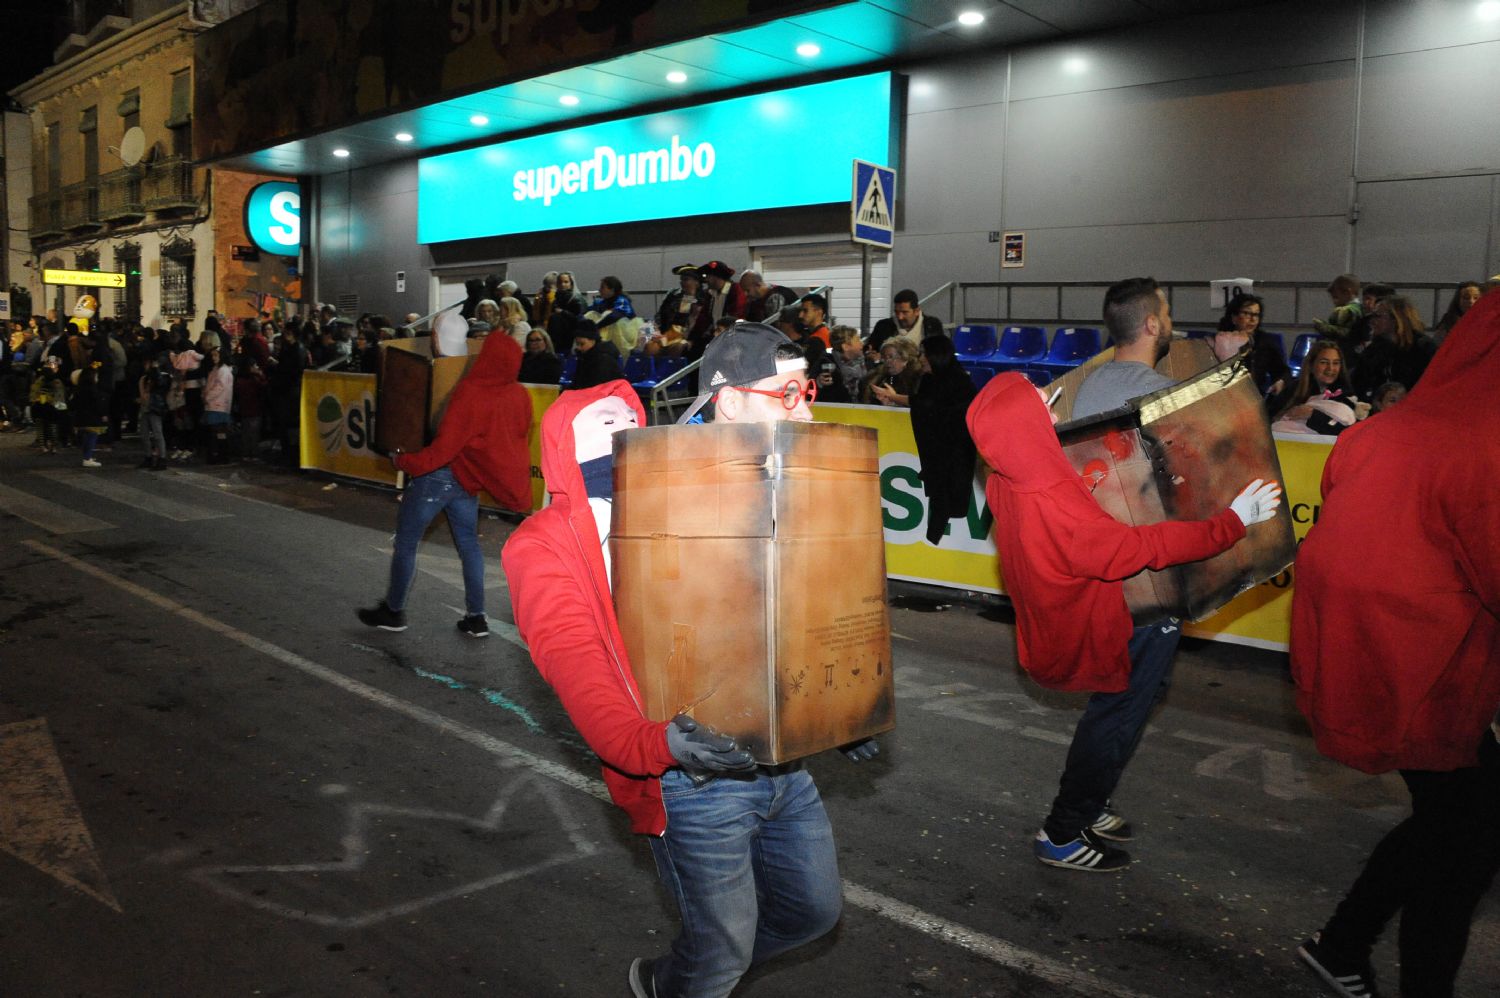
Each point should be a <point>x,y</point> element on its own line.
<point>80,205</point>
<point>167,184</point>
<point>46,215</point>
<point>120,194</point>
<point>1290,305</point>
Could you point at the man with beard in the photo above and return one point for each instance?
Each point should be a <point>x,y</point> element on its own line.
<point>1140,322</point>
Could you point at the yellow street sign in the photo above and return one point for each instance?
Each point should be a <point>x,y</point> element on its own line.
<point>84,278</point>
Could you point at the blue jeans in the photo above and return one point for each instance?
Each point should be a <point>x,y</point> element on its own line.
<point>751,862</point>
<point>424,499</point>
<point>1110,730</point>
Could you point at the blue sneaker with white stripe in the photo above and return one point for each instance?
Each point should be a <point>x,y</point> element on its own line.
<point>1088,853</point>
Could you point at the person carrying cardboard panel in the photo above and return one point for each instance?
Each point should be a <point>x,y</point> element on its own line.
<point>1065,561</point>
<point>746,851</point>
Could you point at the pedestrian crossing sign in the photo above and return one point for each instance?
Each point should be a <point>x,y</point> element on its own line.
<point>873,205</point>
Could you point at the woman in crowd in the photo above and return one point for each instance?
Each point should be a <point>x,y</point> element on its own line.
<point>1386,396</point>
<point>939,423</point>
<point>544,300</point>
<point>1240,331</point>
<point>93,382</point>
<point>218,399</point>
<point>1399,350</point>
<point>513,321</point>
<point>488,313</point>
<point>1463,299</point>
<point>186,401</point>
<point>289,361</point>
<point>1325,376</point>
<point>151,389</point>
<point>895,379</point>
<point>540,365</point>
<point>569,298</point>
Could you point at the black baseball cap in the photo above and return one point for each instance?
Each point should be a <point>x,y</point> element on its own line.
<point>741,355</point>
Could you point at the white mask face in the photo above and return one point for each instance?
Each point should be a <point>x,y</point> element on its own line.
<point>596,423</point>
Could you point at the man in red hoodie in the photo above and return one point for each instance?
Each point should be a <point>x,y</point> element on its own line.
<point>481,444</point>
<point>1396,655</point>
<point>746,851</point>
<point>1065,560</point>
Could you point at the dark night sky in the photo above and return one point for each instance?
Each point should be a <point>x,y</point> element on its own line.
<point>30,36</point>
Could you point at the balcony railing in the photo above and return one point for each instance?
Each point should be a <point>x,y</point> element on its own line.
<point>80,205</point>
<point>46,215</point>
<point>168,184</point>
<point>120,195</point>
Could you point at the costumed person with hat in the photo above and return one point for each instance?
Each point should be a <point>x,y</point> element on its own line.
<point>746,851</point>
<point>728,297</point>
<point>684,318</point>
<point>1397,660</point>
<point>482,443</point>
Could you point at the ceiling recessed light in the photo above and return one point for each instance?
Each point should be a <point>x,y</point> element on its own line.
<point>341,153</point>
<point>403,136</point>
<point>676,76</point>
<point>568,100</point>
<point>807,50</point>
<point>1489,11</point>
<point>971,19</point>
<point>1075,64</point>
<point>478,120</point>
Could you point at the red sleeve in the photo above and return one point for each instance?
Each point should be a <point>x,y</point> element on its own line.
<point>1104,548</point>
<point>561,629</point>
<point>1478,553</point>
<point>455,433</point>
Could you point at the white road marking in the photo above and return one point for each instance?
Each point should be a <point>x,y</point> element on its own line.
<point>500,627</point>
<point>49,516</point>
<point>250,493</point>
<point>989,947</point>
<point>117,491</point>
<point>450,569</point>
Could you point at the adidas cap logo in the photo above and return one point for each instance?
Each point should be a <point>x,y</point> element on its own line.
<point>717,379</point>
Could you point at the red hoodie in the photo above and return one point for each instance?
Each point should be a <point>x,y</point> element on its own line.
<point>560,595</point>
<point>1396,610</point>
<point>1064,558</point>
<point>484,432</point>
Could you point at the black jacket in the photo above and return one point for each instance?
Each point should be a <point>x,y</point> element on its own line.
<point>944,447</point>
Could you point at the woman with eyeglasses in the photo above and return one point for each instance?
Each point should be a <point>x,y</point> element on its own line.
<point>1240,331</point>
<point>540,365</point>
<point>1399,349</point>
<point>895,379</point>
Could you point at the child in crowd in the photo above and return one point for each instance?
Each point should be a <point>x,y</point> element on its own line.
<point>47,400</point>
<point>152,390</point>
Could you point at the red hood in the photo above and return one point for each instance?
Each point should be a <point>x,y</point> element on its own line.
<point>499,363</point>
<point>559,464</point>
<point>1463,373</point>
<point>1013,431</point>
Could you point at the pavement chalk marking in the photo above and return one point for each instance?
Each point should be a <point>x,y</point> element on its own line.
<point>995,950</point>
<point>116,491</point>
<point>49,516</point>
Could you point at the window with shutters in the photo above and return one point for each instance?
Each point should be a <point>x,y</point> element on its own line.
<point>88,128</point>
<point>177,278</point>
<point>88,260</point>
<point>129,110</point>
<point>180,116</point>
<point>128,298</point>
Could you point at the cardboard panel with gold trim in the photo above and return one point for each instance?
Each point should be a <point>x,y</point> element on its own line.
<point>338,414</point>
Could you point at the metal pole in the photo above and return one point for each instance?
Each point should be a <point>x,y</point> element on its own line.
<point>864,290</point>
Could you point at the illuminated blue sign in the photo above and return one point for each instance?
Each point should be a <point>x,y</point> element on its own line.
<point>776,150</point>
<point>273,217</point>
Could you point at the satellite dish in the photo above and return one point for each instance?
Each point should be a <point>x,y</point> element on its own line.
<point>133,146</point>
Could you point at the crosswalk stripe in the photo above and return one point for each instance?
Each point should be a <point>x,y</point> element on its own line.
<point>250,493</point>
<point>49,516</point>
<point>117,491</point>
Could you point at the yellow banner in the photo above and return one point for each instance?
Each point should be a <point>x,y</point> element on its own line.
<point>338,423</point>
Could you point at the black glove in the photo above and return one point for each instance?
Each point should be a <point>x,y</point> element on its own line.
<point>699,749</point>
<point>861,751</point>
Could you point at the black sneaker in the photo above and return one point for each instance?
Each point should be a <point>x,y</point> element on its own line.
<point>1110,825</point>
<point>475,626</point>
<point>1088,853</point>
<point>383,617</point>
<point>1351,978</point>
<point>642,983</point>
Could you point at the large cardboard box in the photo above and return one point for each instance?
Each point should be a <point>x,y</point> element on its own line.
<point>1184,453</point>
<point>749,581</point>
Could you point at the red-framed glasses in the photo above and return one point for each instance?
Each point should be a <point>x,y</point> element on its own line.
<point>790,393</point>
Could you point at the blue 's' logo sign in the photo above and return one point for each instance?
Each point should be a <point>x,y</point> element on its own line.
<point>273,217</point>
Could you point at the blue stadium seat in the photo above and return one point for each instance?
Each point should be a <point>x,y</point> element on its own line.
<point>1037,376</point>
<point>1072,346</point>
<point>1198,334</point>
<point>979,374</point>
<point>570,367</point>
<point>640,371</point>
<point>975,343</point>
<point>1276,339</point>
<point>1019,347</point>
<point>1300,350</point>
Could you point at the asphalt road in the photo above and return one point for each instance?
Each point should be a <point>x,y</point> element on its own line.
<point>215,781</point>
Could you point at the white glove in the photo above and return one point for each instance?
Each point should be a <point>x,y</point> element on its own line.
<point>1258,502</point>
